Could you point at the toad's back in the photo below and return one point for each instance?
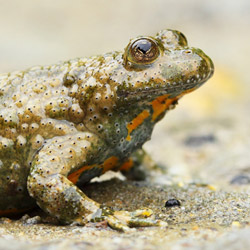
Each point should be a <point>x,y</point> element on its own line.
<point>31,103</point>
<point>63,124</point>
<point>38,93</point>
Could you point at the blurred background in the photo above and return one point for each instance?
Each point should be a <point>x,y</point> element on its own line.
<point>207,137</point>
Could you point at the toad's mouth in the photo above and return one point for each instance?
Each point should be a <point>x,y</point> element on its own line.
<point>172,89</point>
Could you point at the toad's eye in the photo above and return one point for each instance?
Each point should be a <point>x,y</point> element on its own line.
<point>143,51</point>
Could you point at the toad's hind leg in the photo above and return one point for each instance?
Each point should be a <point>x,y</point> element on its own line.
<point>14,197</point>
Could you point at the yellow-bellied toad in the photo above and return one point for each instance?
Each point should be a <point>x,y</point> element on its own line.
<point>63,124</point>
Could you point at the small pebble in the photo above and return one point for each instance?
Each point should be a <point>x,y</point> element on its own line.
<point>31,221</point>
<point>240,180</point>
<point>172,203</point>
<point>199,140</point>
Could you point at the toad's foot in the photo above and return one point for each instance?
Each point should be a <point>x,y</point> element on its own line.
<point>125,220</point>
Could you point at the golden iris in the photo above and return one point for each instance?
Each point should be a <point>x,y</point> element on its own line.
<point>143,51</point>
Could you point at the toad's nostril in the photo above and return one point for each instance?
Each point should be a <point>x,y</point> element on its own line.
<point>188,51</point>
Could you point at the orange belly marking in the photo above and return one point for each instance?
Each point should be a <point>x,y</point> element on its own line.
<point>75,175</point>
<point>127,165</point>
<point>13,211</point>
<point>137,121</point>
<point>110,163</point>
<point>161,103</point>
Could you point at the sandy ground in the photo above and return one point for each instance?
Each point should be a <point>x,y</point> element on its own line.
<point>201,148</point>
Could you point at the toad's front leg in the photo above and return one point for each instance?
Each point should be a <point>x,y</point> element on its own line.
<point>48,181</point>
<point>55,169</point>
